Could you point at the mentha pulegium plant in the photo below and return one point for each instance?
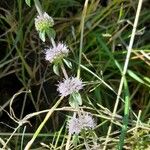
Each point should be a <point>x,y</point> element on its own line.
<point>56,53</point>
<point>43,22</point>
<point>83,121</point>
<point>69,86</point>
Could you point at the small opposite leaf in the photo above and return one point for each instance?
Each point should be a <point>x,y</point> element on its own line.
<point>51,33</point>
<point>56,69</point>
<point>68,63</point>
<point>42,36</point>
<point>73,103</point>
<point>28,2</point>
<point>77,98</point>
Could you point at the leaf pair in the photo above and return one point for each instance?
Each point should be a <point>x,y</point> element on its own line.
<point>50,32</point>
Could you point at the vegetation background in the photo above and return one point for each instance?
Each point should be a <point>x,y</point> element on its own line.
<point>29,79</point>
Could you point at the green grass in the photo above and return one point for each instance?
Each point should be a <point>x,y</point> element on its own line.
<point>98,38</point>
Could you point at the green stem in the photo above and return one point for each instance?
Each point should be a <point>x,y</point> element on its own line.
<point>85,141</point>
<point>126,116</point>
<point>81,37</point>
<point>124,71</point>
<point>63,70</point>
<point>43,123</point>
<point>52,41</point>
<point>38,7</point>
<point>11,136</point>
<point>27,67</point>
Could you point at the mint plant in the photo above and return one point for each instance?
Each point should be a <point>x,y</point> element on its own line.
<point>56,55</point>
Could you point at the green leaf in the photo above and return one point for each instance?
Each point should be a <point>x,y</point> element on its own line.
<point>42,36</point>
<point>72,102</point>
<point>51,33</point>
<point>134,76</point>
<point>68,63</point>
<point>75,100</point>
<point>137,78</point>
<point>75,139</point>
<point>77,97</point>
<point>28,2</point>
<point>146,79</point>
<point>56,69</point>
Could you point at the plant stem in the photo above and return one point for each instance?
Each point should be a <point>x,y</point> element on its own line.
<point>38,7</point>
<point>85,142</point>
<point>126,116</point>
<point>52,41</point>
<point>43,123</point>
<point>81,37</point>
<point>63,70</point>
<point>124,70</point>
<point>68,142</point>
<point>11,136</point>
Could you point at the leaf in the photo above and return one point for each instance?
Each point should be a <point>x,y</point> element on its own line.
<point>75,100</point>
<point>51,33</point>
<point>134,76</point>
<point>137,78</point>
<point>68,63</point>
<point>28,2</point>
<point>72,102</point>
<point>146,79</point>
<point>42,36</point>
<point>77,97</point>
<point>75,139</point>
<point>56,69</point>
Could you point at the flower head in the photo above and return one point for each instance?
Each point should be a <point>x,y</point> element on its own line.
<point>84,121</point>
<point>54,54</point>
<point>87,121</point>
<point>69,86</point>
<point>43,22</point>
<point>74,125</point>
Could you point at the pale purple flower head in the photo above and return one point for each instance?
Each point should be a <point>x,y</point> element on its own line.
<point>84,121</point>
<point>43,22</point>
<point>54,54</point>
<point>69,86</point>
<point>74,125</point>
<point>87,121</point>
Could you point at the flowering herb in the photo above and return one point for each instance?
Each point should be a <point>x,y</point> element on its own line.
<point>43,22</point>
<point>56,53</point>
<point>84,121</point>
<point>69,86</point>
<point>74,125</point>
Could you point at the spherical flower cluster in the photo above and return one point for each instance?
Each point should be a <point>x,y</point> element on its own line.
<point>76,124</point>
<point>54,54</point>
<point>69,86</point>
<point>43,22</point>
